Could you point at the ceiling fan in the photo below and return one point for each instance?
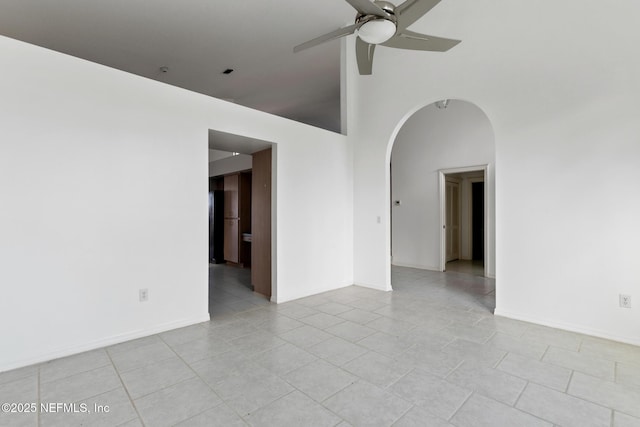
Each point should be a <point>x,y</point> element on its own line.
<point>381,23</point>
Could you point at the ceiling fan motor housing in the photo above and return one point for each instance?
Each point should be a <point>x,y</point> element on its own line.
<point>375,29</point>
<point>387,7</point>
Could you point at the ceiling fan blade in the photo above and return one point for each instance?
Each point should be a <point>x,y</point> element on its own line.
<point>341,32</point>
<point>406,39</point>
<point>364,56</point>
<point>412,10</point>
<point>366,7</point>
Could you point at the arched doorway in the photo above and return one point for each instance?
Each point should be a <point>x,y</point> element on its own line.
<point>442,164</point>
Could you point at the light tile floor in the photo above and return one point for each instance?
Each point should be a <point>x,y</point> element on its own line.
<point>475,268</point>
<point>428,354</point>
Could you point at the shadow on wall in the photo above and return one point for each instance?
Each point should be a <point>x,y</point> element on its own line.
<point>439,136</point>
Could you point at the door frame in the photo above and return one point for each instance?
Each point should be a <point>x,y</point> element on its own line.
<point>244,144</point>
<point>442,182</point>
<point>449,180</point>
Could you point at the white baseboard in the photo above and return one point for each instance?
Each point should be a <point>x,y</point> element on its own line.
<point>568,327</point>
<point>310,293</point>
<point>320,291</point>
<point>104,342</point>
<point>376,287</point>
<point>430,268</point>
<point>418,266</point>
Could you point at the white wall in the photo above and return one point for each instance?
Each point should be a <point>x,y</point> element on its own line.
<point>434,139</point>
<point>561,92</point>
<point>230,164</point>
<point>103,177</point>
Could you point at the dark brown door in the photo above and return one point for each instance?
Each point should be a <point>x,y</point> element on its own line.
<point>231,186</point>
<point>261,223</point>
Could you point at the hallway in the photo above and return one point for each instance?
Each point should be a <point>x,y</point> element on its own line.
<point>230,291</point>
<point>474,268</point>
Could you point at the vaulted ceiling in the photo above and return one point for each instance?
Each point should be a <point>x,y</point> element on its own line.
<point>196,40</point>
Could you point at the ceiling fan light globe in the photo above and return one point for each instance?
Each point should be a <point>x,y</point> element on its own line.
<point>377,31</point>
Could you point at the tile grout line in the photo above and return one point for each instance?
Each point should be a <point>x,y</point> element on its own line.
<point>515,403</point>
<point>504,356</point>
<point>612,421</point>
<point>39,397</point>
<point>490,337</point>
<point>362,380</point>
<point>75,375</point>
<point>328,397</point>
<point>546,350</point>
<point>404,413</point>
<point>197,375</point>
<point>264,406</point>
<point>611,410</point>
<point>452,370</point>
<point>566,389</point>
<point>461,405</point>
<point>124,387</point>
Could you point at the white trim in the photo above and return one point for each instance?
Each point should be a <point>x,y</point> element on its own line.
<point>308,293</point>
<point>489,232</point>
<point>418,266</point>
<point>105,342</point>
<point>383,288</point>
<point>442,196</point>
<point>274,222</point>
<point>567,327</point>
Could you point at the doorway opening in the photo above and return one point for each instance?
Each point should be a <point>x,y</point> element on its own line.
<point>241,225</point>
<point>430,157</point>
<point>463,216</point>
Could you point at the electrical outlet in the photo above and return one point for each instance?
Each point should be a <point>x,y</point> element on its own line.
<point>625,301</point>
<point>144,295</point>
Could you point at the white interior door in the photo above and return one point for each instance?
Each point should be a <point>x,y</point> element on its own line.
<point>452,224</point>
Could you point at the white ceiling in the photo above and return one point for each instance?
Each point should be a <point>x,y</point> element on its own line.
<point>197,40</point>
